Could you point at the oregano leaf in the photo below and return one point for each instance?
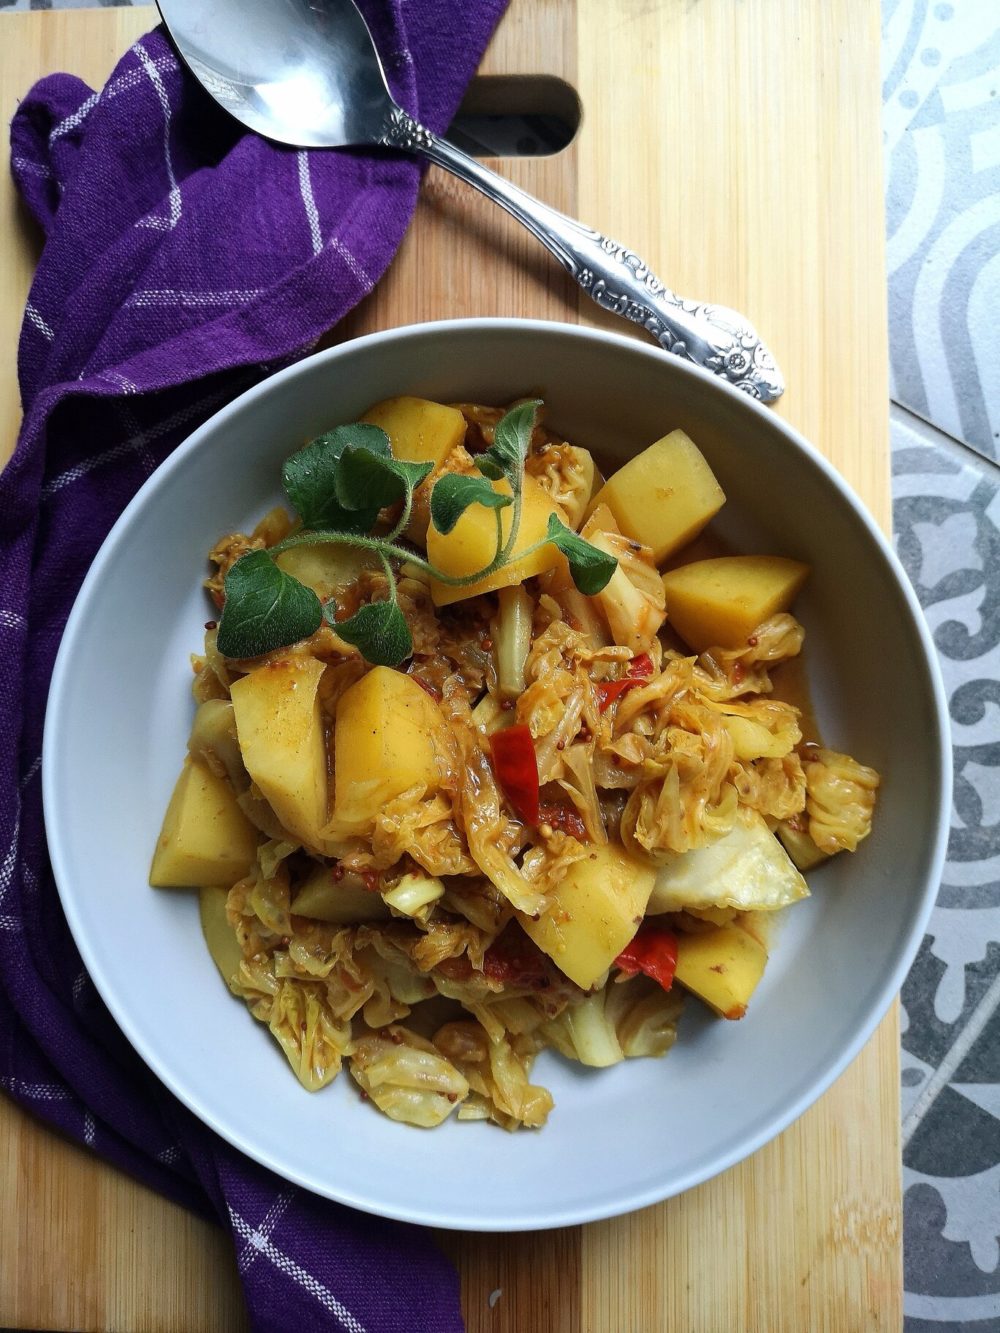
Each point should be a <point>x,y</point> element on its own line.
<point>379,631</point>
<point>310,478</point>
<point>511,440</point>
<point>265,608</point>
<point>366,479</point>
<point>453,493</point>
<point>591,568</point>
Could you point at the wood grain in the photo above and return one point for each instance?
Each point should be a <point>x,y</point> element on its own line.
<point>736,147</point>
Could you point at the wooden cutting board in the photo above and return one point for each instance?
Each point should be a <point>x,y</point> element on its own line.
<point>735,145</point>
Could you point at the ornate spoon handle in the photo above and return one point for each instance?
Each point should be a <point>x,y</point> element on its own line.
<point>710,335</point>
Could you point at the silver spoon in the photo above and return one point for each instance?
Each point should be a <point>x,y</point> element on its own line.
<point>306,73</point>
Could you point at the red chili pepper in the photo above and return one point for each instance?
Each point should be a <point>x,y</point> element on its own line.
<point>516,767</point>
<point>639,669</point>
<point>652,951</point>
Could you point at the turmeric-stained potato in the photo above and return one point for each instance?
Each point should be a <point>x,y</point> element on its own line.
<point>280,728</point>
<point>419,431</point>
<point>664,496</point>
<point>206,838</point>
<point>213,741</point>
<point>719,603</point>
<point>219,934</point>
<point>389,736</point>
<point>595,911</point>
<point>799,846</point>
<point>326,568</point>
<point>342,900</point>
<point>471,545</point>
<point>722,966</point>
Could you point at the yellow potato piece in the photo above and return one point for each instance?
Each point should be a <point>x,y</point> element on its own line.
<point>341,902</point>
<point>219,935</point>
<point>205,838</point>
<point>471,545</point>
<point>213,741</point>
<point>664,496</point>
<point>326,568</point>
<point>279,724</point>
<point>800,847</point>
<point>594,913</point>
<point>747,869</point>
<point>419,431</point>
<point>389,736</point>
<point>719,603</point>
<point>722,967</point>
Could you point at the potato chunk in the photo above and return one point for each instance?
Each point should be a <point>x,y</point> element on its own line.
<point>280,728</point>
<point>213,741</point>
<point>341,902</point>
<point>419,431</point>
<point>389,736</point>
<point>799,846</point>
<point>719,603</point>
<point>722,966</point>
<point>595,911</point>
<point>326,568</point>
<point>664,496</point>
<point>205,838</point>
<point>747,869</point>
<point>471,545</point>
<point>220,937</point>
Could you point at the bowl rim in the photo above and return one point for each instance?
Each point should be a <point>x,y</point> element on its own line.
<point>883,994</point>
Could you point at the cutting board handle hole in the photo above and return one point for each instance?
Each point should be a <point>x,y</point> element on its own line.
<point>516,115</point>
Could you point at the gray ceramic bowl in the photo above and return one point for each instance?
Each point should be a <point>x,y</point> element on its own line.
<point>618,1138</point>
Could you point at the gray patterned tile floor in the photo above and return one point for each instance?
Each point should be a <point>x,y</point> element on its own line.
<point>946,515</point>
<point>941,124</point>
<point>941,120</point>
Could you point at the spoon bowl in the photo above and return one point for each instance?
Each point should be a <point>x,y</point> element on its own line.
<point>307,73</point>
<point>298,73</point>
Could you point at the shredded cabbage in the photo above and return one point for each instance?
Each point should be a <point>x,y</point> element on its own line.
<point>414,895</point>
<point>406,1077</point>
<point>442,1002</point>
<point>497,1071</point>
<point>840,800</point>
<point>628,1018</point>
<point>312,1039</point>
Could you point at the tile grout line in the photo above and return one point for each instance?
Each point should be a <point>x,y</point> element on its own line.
<point>954,1056</point>
<point>921,425</point>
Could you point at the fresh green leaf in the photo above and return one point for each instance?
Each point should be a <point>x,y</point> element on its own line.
<point>339,483</point>
<point>310,478</point>
<point>265,608</point>
<point>365,478</point>
<point>452,495</point>
<point>591,569</point>
<point>511,440</point>
<point>380,631</point>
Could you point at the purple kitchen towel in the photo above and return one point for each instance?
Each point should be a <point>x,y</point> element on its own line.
<point>183,258</point>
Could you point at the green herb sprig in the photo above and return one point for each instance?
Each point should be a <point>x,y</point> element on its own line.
<point>338,485</point>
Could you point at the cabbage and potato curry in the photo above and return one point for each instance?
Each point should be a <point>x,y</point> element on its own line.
<point>470,777</point>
